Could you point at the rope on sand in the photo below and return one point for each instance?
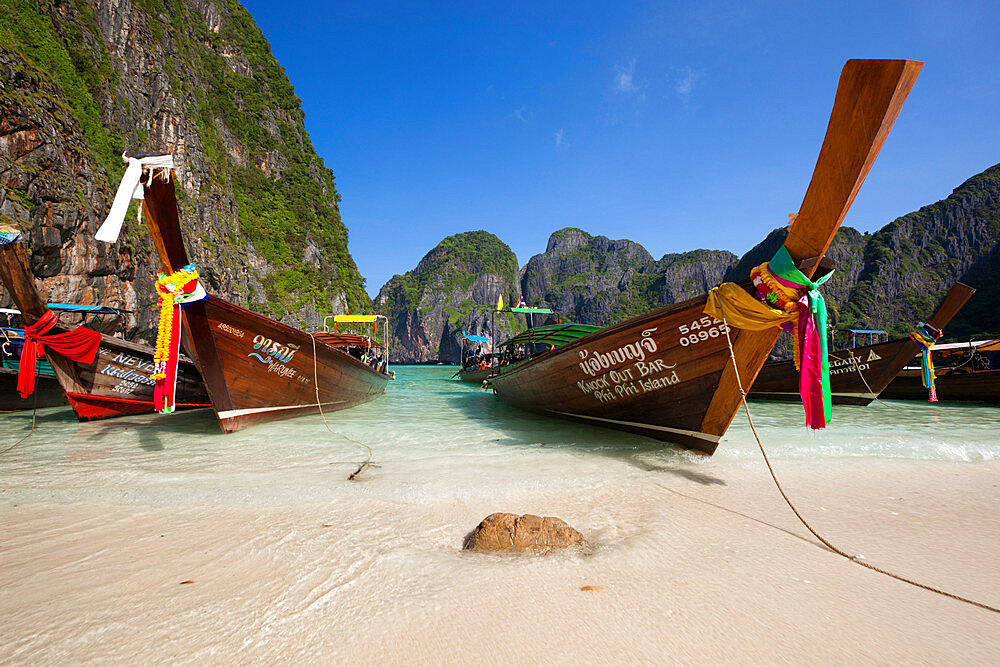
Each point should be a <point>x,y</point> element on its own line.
<point>826,543</point>
<point>368,462</point>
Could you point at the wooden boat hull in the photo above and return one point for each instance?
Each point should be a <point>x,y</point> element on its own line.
<point>255,369</point>
<point>647,375</point>
<point>857,375</point>
<point>117,382</point>
<point>250,381</point>
<point>956,385</point>
<point>860,374</point>
<point>643,376</point>
<point>48,392</point>
<point>476,376</point>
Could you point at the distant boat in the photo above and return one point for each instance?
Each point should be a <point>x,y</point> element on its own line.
<point>477,365</point>
<point>117,382</point>
<point>965,372</point>
<point>858,374</point>
<point>255,368</point>
<point>668,373</point>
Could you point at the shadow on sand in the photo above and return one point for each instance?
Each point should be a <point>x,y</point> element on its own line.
<point>520,428</point>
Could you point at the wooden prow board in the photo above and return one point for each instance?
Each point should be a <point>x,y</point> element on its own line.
<point>869,97</point>
<point>15,271</point>
<point>954,301</point>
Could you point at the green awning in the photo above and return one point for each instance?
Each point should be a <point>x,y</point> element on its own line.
<point>553,334</point>
<point>543,311</point>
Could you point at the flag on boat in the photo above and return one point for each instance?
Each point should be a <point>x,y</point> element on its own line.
<point>499,302</point>
<point>521,303</point>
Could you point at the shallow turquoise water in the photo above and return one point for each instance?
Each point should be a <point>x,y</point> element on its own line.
<point>435,439</point>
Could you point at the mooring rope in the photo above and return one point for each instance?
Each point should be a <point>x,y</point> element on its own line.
<point>857,367</point>
<point>34,411</point>
<point>368,462</point>
<point>826,543</point>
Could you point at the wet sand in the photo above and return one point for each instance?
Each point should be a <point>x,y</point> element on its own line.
<point>693,564</point>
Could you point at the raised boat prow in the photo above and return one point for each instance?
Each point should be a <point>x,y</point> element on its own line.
<point>669,374</point>
<point>255,368</point>
<point>870,95</point>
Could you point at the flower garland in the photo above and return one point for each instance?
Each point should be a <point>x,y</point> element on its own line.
<point>169,288</point>
<point>776,295</point>
<point>178,289</point>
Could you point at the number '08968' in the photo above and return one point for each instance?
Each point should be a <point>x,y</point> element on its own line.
<point>701,330</point>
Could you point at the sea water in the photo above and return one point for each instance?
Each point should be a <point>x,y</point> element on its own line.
<point>433,438</point>
<point>160,539</point>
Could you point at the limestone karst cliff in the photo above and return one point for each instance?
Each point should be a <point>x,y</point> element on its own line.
<point>453,289</point>
<point>83,80</point>
<point>887,280</point>
<point>596,280</point>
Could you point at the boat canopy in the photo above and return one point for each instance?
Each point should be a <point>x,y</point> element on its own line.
<point>543,311</point>
<point>552,334</point>
<point>73,308</point>
<point>979,345</point>
<point>346,340</point>
<point>355,318</point>
<point>476,339</point>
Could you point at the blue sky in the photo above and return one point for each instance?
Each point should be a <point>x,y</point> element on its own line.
<point>677,125</point>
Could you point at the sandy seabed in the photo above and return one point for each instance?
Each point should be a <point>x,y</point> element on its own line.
<point>697,564</point>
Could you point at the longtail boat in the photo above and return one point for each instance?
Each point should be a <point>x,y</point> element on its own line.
<point>255,368</point>
<point>116,382</point>
<point>669,374</point>
<point>477,364</point>
<point>859,374</point>
<point>971,375</point>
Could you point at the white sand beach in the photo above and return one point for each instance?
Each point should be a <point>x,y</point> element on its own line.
<point>694,564</point>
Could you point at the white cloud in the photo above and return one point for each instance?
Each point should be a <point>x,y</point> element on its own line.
<point>624,79</point>
<point>520,113</point>
<point>684,81</point>
<point>560,138</point>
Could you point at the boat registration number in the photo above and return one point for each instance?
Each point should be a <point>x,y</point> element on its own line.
<point>700,330</point>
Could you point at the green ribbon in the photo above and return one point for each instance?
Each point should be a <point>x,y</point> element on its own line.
<point>783,266</point>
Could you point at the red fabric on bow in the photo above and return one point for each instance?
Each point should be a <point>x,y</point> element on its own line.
<point>80,344</point>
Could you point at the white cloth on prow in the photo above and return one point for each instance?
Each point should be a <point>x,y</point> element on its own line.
<point>130,188</point>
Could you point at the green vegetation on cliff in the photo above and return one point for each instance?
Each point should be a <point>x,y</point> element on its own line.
<point>249,131</point>
<point>454,264</point>
<point>67,59</point>
<point>910,263</point>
